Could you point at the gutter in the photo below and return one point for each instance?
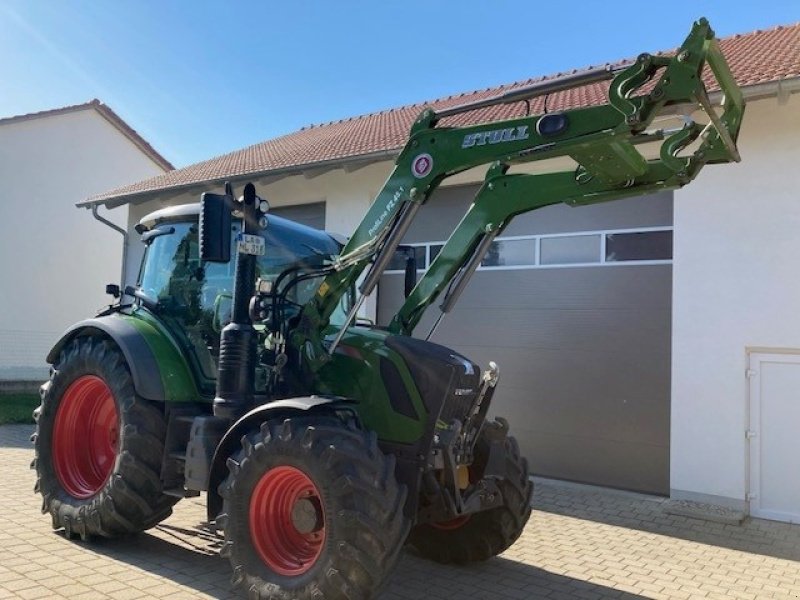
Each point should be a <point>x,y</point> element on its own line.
<point>781,88</point>
<point>124,233</point>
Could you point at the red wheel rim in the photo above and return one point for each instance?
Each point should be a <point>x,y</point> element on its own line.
<point>452,523</point>
<point>85,437</point>
<point>278,498</point>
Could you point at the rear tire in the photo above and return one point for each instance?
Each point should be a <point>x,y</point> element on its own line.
<point>311,510</point>
<point>98,446</point>
<point>482,535</point>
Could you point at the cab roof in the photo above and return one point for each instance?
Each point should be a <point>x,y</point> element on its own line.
<point>191,212</point>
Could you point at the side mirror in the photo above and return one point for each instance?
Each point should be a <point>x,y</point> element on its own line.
<point>112,289</point>
<point>215,227</point>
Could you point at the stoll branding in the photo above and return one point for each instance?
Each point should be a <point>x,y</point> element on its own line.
<point>385,213</point>
<point>495,136</point>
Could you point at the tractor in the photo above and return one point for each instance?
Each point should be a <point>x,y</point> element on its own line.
<point>239,364</point>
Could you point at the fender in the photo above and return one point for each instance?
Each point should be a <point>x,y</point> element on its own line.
<point>301,406</point>
<point>158,369</point>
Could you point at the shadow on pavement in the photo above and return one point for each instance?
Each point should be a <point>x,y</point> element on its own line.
<point>497,578</point>
<point>16,436</point>
<point>190,559</point>
<point>646,513</point>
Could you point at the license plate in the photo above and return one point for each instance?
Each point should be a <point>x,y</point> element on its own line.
<point>251,244</point>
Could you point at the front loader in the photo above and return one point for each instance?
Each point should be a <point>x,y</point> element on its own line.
<point>237,365</point>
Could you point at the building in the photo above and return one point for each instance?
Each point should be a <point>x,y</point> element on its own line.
<point>624,331</point>
<point>54,260</point>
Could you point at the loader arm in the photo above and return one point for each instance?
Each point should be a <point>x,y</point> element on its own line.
<point>502,197</point>
<point>601,139</point>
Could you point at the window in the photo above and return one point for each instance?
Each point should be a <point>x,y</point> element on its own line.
<point>195,299</point>
<point>187,294</point>
<point>510,253</point>
<point>644,245</point>
<point>398,262</point>
<point>590,248</point>
<point>570,249</point>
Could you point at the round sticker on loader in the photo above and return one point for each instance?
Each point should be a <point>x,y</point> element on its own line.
<point>422,165</point>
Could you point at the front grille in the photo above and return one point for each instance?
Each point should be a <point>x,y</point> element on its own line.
<point>460,399</point>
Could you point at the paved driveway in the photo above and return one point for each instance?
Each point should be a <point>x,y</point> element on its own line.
<point>581,543</point>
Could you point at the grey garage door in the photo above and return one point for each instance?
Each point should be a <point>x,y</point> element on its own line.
<point>574,304</point>
<point>312,215</point>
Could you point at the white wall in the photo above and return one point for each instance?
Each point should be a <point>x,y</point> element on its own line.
<point>55,259</point>
<point>736,286</point>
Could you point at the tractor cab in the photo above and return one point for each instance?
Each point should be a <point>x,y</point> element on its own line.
<point>194,298</point>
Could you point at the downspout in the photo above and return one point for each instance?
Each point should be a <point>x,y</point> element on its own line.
<point>124,234</point>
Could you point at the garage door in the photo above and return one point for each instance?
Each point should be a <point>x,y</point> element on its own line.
<point>574,304</point>
<point>312,215</point>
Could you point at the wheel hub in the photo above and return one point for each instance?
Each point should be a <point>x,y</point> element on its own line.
<point>287,520</point>
<point>307,515</point>
<point>85,437</point>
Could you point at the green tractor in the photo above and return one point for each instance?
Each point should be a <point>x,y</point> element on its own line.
<point>237,366</point>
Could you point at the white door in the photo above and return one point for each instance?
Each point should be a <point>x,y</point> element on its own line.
<point>774,435</point>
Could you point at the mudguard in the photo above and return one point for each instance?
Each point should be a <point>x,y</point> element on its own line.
<point>158,369</point>
<point>231,441</point>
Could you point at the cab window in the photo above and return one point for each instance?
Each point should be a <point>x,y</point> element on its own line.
<point>189,295</point>
<point>195,299</point>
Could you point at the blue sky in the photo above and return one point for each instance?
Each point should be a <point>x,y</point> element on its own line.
<point>198,79</point>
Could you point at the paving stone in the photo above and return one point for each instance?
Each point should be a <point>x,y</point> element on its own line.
<point>581,543</point>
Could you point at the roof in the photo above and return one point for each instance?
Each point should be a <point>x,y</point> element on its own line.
<point>755,58</point>
<point>112,117</point>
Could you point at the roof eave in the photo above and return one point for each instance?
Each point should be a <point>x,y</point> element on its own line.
<point>143,196</point>
<point>778,88</point>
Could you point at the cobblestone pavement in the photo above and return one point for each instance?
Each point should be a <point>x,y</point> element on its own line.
<point>582,542</point>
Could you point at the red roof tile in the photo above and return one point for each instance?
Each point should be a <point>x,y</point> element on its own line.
<point>757,57</point>
<point>110,116</point>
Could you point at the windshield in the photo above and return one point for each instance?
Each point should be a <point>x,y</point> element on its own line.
<point>172,263</point>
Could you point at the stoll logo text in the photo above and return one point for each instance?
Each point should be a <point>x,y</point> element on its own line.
<point>495,136</point>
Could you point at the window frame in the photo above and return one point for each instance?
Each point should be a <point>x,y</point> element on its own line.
<point>536,262</point>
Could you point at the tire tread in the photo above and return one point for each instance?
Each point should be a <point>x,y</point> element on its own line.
<point>132,500</point>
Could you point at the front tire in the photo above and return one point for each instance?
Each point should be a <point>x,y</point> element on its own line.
<point>311,509</point>
<point>482,535</point>
<point>98,446</point>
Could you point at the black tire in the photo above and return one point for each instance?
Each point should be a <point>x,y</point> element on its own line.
<point>490,532</point>
<point>364,524</point>
<point>131,499</point>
